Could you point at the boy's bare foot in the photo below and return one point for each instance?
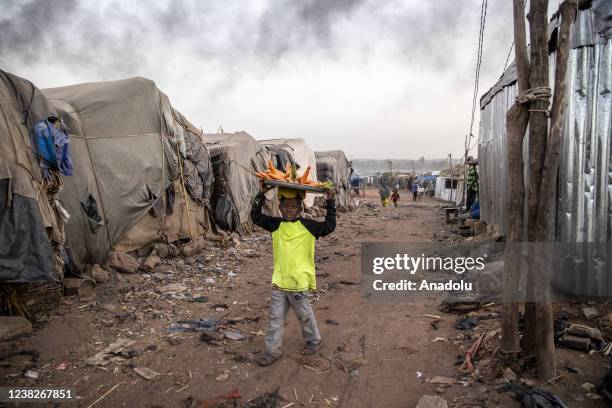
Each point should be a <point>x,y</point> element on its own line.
<point>266,359</point>
<point>312,348</point>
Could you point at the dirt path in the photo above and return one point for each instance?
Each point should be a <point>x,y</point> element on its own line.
<point>372,355</point>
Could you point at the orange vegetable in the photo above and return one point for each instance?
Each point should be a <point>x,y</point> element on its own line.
<point>275,176</point>
<point>304,177</point>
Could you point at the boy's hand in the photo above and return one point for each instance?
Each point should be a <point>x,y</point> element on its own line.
<point>330,194</point>
<point>263,188</point>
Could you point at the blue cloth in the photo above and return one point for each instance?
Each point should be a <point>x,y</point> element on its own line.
<point>475,211</point>
<point>52,148</point>
<point>415,187</point>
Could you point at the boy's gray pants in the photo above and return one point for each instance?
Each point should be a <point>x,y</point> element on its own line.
<point>279,305</point>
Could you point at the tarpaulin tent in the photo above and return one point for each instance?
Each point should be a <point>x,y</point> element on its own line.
<point>301,155</point>
<point>126,143</point>
<point>333,166</point>
<point>235,157</point>
<point>27,215</point>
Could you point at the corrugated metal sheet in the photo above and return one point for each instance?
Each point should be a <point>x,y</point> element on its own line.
<point>585,176</point>
<point>585,204</point>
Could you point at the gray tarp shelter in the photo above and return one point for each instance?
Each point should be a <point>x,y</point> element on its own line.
<point>126,139</point>
<point>26,254</point>
<point>333,165</point>
<point>235,157</point>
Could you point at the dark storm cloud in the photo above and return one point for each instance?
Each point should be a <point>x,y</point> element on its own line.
<point>287,25</point>
<point>26,34</point>
<point>119,39</point>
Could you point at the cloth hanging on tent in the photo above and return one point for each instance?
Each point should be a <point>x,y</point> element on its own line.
<point>52,148</point>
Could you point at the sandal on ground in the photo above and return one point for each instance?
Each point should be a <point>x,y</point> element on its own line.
<point>266,359</point>
<point>312,348</point>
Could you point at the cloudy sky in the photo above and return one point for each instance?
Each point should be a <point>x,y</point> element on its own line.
<point>375,78</point>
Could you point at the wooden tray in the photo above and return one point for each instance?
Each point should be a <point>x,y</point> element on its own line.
<point>294,186</point>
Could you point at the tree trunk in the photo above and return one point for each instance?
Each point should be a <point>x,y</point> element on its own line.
<point>516,125</point>
<point>545,228</point>
<point>538,132</point>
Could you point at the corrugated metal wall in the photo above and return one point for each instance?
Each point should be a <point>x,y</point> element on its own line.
<point>585,210</point>
<point>492,157</point>
<point>585,176</point>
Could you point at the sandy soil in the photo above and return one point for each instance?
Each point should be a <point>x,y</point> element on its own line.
<point>373,352</point>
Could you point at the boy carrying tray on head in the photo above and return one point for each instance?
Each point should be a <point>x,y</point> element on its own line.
<point>293,242</point>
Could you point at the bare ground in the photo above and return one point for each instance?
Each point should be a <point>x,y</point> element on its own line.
<point>373,352</point>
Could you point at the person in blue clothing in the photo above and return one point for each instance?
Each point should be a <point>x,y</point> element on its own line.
<point>415,190</point>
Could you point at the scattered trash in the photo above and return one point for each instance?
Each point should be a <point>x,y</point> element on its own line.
<point>331,322</point>
<point>62,366</point>
<point>31,374</point>
<point>577,343</point>
<point>104,357</point>
<point>223,376</point>
<point>531,397</point>
<point>448,306</point>
<point>419,374</point>
<point>235,320</point>
<point>200,299</point>
<point>146,373</point>
<point>590,312</point>
<point>440,339</point>
<point>234,335</point>
<point>467,323</point>
<point>345,282</point>
<point>588,387</point>
<point>467,366</point>
<point>207,324</point>
<point>585,331</point>
<point>218,306</point>
<point>173,288</point>
<point>213,340</point>
<point>267,400</point>
<point>442,380</point>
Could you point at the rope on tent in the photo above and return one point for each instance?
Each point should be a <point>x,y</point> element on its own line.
<point>178,153</point>
<point>240,165</point>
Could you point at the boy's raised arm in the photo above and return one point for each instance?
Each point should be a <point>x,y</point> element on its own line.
<point>259,218</point>
<point>321,229</point>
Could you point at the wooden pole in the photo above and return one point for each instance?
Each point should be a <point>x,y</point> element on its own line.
<point>516,125</point>
<point>545,222</point>
<point>450,162</point>
<point>538,133</point>
<point>178,156</point>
